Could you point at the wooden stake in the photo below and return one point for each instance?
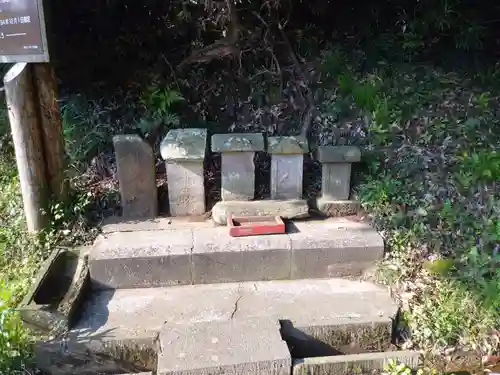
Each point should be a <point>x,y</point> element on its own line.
<point>52,129</point>
<point>26,134</point>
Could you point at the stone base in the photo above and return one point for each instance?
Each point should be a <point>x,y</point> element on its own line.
<point>289,209</point>
<point>198,254</point>
<point>334,208</point>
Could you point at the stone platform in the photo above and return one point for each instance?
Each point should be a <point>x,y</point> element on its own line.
<point>220,328</point>
<point>179,296</point>
<point>167,252</point>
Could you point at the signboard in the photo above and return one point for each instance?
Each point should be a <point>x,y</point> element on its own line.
<point>22,31</point>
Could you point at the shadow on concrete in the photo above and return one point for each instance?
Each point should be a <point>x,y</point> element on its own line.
<point>90,349</point>
<point>302,345</point>
<point>94,313</point>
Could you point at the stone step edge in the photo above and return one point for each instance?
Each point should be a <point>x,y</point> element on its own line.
<point>185,256</point>
<point>364,363</point>
<point>287,209</point>
<point>73,355</point>
<point>83,355</point>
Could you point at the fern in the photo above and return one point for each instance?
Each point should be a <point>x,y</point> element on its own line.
<point>158,103</point>
<point>161,100</point>
<point>171,119</point>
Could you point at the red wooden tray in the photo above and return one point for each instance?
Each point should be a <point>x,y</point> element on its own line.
<point>243,226</point>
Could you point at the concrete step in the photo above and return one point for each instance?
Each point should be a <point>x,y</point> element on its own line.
<point>163,253</point>
<point>235,327</point>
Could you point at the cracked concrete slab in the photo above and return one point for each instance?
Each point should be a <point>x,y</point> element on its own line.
<point>142,312</point>
<point>132,318</point>
<point>138,312</point>
<point>252,346</point>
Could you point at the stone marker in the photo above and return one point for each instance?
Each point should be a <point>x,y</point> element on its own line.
<point>287,166</point>
<point>184,153</point>
<point>336,180</point>
<point>237,165</point>
<point>136,175</point>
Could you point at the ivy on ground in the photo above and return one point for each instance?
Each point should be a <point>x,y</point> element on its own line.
<point>433,190</point>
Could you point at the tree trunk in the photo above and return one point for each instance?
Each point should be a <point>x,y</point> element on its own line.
<point>52,129</point>
<point>25,126</point>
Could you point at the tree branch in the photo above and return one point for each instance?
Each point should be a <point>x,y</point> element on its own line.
<point>307,120</point>
<point>221,48</point>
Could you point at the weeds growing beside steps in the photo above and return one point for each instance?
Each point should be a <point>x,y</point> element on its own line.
<point>432,190</point>
<point>21,254</point>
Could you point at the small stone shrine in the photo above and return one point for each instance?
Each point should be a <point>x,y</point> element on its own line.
<point>184,152</point>
<point>237,164</point>
<point>287,166</point>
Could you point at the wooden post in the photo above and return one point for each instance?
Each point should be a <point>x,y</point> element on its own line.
<point>52,129</point>
<point>25,126</point>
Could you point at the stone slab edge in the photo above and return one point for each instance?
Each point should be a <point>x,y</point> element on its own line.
<point>118,224</point>
<point>366,363</point>
<point>357,333</point>
<point>139,199</point>
<point>184,145</point>
<point>337,208</point>
<point>238,142</point>
<point>185,266</point>
<point>77,355</point>
<point>251,346</point>
<point>287,145</point>
<point>339,154</point>
<point>289,209</point>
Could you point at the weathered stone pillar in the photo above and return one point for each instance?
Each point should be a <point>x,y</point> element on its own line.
<point>336,179</point>
<point>137,177</point>
<point>184,153</point>
<point>287,166</point>
<point>237,164</point>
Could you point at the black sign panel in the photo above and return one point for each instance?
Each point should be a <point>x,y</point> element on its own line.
<point>22,31</point>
